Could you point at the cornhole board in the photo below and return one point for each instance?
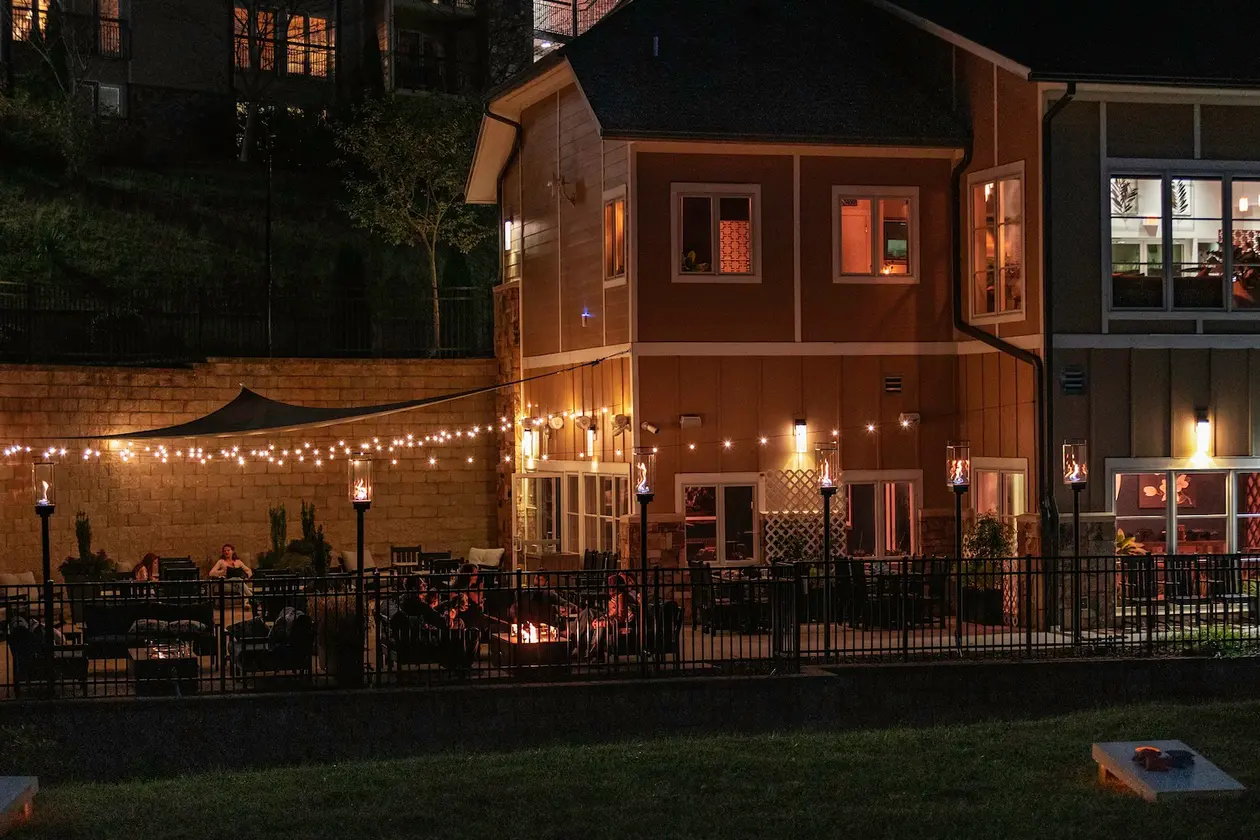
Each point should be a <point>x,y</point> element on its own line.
<point>17,798</point>
<point>1115,758</point>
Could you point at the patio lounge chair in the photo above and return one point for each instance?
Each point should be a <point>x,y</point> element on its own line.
<point>287,645</point>
<point>31,663</point>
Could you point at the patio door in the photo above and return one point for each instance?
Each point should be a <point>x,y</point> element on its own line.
<point>720,522</point>
<point>537,515</point>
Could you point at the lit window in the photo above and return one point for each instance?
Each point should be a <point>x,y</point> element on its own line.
<point>716,233</point>
<point>309,46</point>
<point>997,243</point>
<point>1182,512</point>
<point>615,238</point>
<point>109,100</point>
<point>999,491</point>
<point>719,522</point>
<point>874,231</point>
<point>255,40</point>
<point>109,28</point>
<point>879,518</point>
<point>1166,232</point>
<point>29,16</point>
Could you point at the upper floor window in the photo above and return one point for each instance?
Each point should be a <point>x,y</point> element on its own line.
<point>716,233</point>
<point>875,233</point>
<point>309,46</point>
<point>615,234</point>
<point>1167,232</point>
<point>29,17</point>
<point>997,241</point>
<point>255,39</point>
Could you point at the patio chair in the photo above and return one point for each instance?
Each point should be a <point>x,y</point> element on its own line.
<point>31,663</point>
<point>715,611</point>
<point>287,645</point>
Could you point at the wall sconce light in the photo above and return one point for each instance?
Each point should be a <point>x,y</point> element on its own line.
<point>529,447</point>
<point>908,419</point>
<point>1202,433</point>
<point>1075,463</point>
<point>591,434</point>
<point>958,465</point>
<point>507,234</point>
<point>1243,204</point>
<point>800,436</point>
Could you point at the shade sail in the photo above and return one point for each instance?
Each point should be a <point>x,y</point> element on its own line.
<point>251,413</point>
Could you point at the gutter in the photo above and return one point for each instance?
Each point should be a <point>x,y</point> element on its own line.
<point>1046,501</point>
<point>1049,509</point>
<point>498,184</point>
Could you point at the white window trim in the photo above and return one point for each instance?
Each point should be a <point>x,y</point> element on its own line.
<point>676,192</point>
<point>880,478</point>
<point>1166,171</point>
<point>1009,171</point>
<point>1231,466</point>
<point>620,279</point>
<point>730,479</point>
<point>122,100</point>
<point>875,193</point>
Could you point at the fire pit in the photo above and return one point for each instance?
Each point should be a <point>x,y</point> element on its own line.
<point>534,646</point>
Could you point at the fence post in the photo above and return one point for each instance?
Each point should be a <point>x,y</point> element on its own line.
<point>223,637</point>
<point>795,618</point>
<point>1029,617</point>
<point>1149,585</point>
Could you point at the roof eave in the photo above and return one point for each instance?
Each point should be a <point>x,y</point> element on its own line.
<point>1143,81</point>
<point>956,143</point>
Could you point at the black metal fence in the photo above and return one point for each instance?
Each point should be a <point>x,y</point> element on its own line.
<point>446,621</point>
<point>55,323</point>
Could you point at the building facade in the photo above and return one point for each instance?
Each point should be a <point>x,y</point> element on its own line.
<point>736,284</point>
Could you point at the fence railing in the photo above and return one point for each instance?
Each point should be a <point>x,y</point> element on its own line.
<point>51,323</point>
<point>562,19</point>
<point>279,631</point>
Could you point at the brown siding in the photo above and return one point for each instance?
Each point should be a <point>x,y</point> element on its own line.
<point>540,304</point>
<point>617,298</point>
<point>744,398</point>
<point>581,243</point>
<point>874,312</point>
<point>669,311</point>
<point>583,390</point>
<point>1149,404</point>
<point>1144,130</point>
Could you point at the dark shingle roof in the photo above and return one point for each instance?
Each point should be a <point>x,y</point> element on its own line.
<point>1207,42</point>
<point>766,70</point>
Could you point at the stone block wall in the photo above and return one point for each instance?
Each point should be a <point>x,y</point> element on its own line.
<point>185,508</point>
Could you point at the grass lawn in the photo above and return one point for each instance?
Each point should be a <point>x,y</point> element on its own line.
<point>1000,780</point>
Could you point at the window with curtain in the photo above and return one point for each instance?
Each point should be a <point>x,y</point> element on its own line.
<point>716,234</point>
<point>615,238</point>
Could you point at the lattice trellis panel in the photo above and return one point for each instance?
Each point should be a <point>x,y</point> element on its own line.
<point>791,523</point>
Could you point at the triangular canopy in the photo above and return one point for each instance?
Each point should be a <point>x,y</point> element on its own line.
<point>251,413</point>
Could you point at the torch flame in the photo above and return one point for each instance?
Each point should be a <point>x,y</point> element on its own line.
<point>531,633</point>
<point>360,490</point>
<point>826,475</point>
<point>643,486</point>
<point>44,499</point>
<point>958,472</point>
<point>1076,472</point>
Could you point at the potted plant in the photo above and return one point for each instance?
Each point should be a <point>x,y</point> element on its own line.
<point>82,573</point>
<point>985,544</point>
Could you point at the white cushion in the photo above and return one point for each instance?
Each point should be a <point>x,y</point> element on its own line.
<point>485,556</point>
<point>17,578</point>
<point>350,559</point>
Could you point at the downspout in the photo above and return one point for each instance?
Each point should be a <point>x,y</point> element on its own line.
<point>1018,353</point>
<point>1049,509</point>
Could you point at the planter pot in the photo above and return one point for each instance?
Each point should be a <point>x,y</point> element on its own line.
<point>339,639</point>
<point>80,590</point>
<point>982,606</point>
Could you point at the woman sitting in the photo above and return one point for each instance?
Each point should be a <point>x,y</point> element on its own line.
<point>230,566</point>
<point>146,569</point>
<point>606,630</point>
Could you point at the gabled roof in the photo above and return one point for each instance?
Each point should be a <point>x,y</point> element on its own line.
<point>770,71</point>
<point>1206,43</point>
<point>789,71</point>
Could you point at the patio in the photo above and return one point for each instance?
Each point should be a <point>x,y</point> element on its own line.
<point>453,622</point>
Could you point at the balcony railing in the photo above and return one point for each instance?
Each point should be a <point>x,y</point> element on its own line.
<point>113,38</point>
<point>52,323</point>
<point>562,19</point>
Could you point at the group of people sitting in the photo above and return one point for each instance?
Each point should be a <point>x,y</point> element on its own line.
<point>594,631</point>
<point>229,566</point>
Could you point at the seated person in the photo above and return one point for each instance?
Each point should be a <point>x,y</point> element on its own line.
<point>230,566</point>
<point>540,604</point>
<point>146,569</point>
<point>602,629</point>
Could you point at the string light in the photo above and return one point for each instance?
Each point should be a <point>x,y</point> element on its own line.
<point>870,427</point>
